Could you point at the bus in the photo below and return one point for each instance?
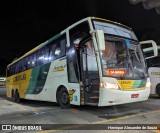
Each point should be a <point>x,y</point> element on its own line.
<point>2,81</point>
<point>152,55</point>
<point>94,62</point>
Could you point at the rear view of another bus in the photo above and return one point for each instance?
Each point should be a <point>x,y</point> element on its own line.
<point>152,55</point>
<point>2,82</point>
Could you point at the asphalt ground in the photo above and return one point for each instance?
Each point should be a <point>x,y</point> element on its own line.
<point>87,118</point>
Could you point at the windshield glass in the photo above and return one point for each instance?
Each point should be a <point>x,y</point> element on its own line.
<point>123,60</point>
<point>114,54</point>
<point>137,62</point>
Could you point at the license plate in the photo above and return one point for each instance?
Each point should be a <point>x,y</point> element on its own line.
<point>134,95</point>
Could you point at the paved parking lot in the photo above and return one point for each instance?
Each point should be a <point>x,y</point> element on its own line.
<point>36,112</point>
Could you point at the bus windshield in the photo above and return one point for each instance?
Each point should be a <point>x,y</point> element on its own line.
<point>120,60</point>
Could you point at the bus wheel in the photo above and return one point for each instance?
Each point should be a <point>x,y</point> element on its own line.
<point>16,97</point>
<point>63,98</point>
<point>158,89</point>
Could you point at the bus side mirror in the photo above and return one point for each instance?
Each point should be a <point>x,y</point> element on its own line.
<point>100,39</point>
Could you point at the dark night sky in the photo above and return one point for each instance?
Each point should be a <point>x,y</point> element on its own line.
<point>26,24</point>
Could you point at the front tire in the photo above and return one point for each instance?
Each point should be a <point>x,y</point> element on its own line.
<point>63,98</point>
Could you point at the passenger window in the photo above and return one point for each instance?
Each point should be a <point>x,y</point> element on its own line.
<point>23,65</point>
<point>8,71</point>
<point>17,68</point>
<point>78,33</point>
<point>51,54</point>
<point>29,65</point>
<point>42,57</point>
<point>33,60</point>
<point>58,48</point>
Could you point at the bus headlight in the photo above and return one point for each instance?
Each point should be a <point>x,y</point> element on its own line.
<point>109,85</point>
<point>148,84</point>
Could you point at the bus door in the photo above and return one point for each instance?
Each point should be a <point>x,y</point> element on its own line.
<point>89,74</point>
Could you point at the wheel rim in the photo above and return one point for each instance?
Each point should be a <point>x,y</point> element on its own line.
<point>64,98</point>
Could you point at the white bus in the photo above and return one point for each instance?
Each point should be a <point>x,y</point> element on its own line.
<point>152,55</point>
<point>93,62</point>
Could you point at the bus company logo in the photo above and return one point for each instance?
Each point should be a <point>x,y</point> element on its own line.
<point>59,68</point>
<point>125,82</point>
<point>19,77</point>
<point>6,127</point>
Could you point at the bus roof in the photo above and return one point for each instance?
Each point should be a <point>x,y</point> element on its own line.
<point>56,36</point>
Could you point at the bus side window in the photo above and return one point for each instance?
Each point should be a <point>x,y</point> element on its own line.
<point>57,51</point>
<point>12,70</point>
<point>8,71</point>
<point>63,44</point>
<point>42,56</point>
<point>57,48</point>
<point>28,62</point>
<point>22,65</point>
<point>79,32</point>
<point>17,68</point>
<point>60,48</point>
<point>33,60</point>
<point>51,54</point>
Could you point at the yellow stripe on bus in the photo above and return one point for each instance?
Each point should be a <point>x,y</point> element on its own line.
<point>18,81</point>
